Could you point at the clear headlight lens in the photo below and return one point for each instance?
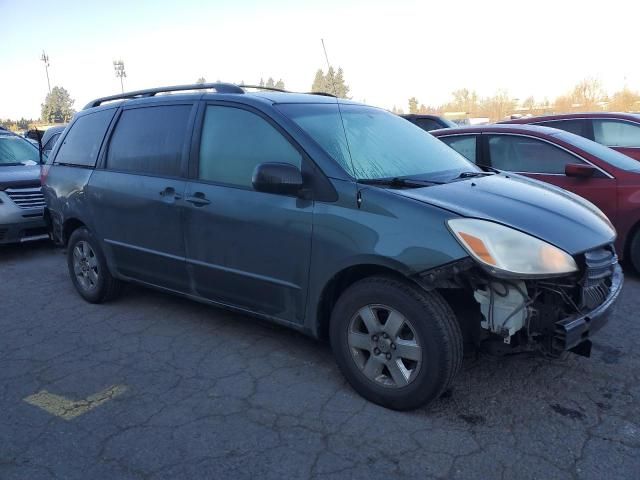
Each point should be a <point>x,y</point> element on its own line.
<point>504,249</point>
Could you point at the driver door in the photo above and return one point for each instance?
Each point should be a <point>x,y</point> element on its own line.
<point>245,248</point>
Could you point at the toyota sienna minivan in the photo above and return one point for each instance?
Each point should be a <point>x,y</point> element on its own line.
<point>338,219</point>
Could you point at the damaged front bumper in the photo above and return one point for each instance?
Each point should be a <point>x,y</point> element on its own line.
<point>577,329</point>
<point>554,315</point>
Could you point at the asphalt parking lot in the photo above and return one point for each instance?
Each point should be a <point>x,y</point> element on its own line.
<point>152,386</point>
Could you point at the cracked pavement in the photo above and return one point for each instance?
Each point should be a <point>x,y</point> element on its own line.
<point>211,394</point>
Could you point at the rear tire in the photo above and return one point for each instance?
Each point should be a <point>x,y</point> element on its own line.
<point>397,345</point>
<point>634,251</point>
<point>88,268</point>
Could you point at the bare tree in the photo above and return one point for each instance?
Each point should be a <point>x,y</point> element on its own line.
<point>587,94</point>
<point>625,100</point>
<point>497,107</point>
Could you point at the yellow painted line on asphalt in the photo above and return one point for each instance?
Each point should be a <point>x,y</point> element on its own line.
<point>69,409</point>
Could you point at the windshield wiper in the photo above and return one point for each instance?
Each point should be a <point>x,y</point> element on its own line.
<point>398,182</point>
<point>474,174</point>
<point>489,168</point>
<point>11,164</point>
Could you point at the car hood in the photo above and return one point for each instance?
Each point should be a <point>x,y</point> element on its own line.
<point>554,215</point>
<point>19,176</point>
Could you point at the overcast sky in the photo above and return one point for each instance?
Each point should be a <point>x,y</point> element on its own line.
<point>389,50</point>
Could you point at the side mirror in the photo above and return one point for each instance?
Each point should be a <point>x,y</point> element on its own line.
<point>579,170</point>
<point>281,178</point>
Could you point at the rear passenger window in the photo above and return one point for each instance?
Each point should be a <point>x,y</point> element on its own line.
<point>577,126</point>
<point>82,143</point>
<point>616,133</point>
<point>235,141</point>
<point>149,140</point>
<point>465,145</point>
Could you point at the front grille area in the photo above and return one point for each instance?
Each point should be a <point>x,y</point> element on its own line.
<point>597,279</point>
<point>26,197</point>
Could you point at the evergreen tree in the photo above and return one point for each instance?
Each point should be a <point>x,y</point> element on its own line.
<point>332,82</point>
<point>319,84</point>
<point>57,106</point>
<point>413,105</point>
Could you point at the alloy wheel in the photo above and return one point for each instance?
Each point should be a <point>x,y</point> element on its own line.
<point>384,346</point>
<point>85,265</point>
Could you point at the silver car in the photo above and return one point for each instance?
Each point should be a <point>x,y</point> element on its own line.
<point>21,201</point>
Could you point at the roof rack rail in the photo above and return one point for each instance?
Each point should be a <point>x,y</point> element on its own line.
<point>324,94</point>
<point>259,87</point>
<point>150,92</point>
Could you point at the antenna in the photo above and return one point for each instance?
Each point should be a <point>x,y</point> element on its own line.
<point>335,92</point>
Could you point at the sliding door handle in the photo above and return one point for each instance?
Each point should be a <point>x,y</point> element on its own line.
<point>198,199</point>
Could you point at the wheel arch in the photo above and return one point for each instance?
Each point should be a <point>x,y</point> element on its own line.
<point>68,227</point>
<point>342,280</point>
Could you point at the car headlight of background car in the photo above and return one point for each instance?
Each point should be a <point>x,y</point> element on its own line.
<point>503,249</point>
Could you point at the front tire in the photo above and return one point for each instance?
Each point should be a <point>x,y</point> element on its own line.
<point>88,268</point>
<point>397,345</point>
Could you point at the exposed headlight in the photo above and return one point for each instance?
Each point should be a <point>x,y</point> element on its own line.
<point>504,249</point>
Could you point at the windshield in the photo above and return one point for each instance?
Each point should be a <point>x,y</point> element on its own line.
<point>607,154</point>
<point>380,144</point>
<point>15,151</point>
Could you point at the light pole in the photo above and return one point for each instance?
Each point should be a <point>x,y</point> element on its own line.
<point>45,59</point>
<point>118,66</point>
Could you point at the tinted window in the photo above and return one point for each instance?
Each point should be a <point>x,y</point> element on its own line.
<point>380,144</point>
<point>82,143</point>
<point>51,143</point>
<point>427,124</point>
<point>524,154</point>
<point>606,154</point>
<point>14,149</point>
<point>235,141</point>
<point>149,140</point>
<point>578,126</point>
<point>465,145</point>
<point>616,133</point>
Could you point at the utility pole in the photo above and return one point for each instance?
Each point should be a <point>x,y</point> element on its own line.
<point>45,59</point>
<point>118,66</point>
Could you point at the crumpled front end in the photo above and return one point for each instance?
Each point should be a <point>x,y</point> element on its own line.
<point>553,315</point>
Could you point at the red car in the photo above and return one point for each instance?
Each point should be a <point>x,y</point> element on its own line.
<point>620,131</point>
<point>603,176</point>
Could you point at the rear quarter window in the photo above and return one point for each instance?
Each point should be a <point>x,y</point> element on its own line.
<point>81,145</point>
<point>428,124</point>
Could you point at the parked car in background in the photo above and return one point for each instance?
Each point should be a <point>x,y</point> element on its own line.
<point>21,201</point>
<point>603,176</point>
<point>50,137</point>
<point>620,131</point>
<point>220,197</point>
<point>429,122</point>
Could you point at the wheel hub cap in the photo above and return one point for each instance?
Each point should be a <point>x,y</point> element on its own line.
<point>384,345</point>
